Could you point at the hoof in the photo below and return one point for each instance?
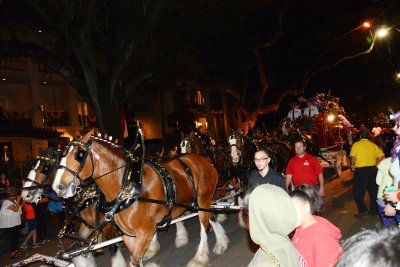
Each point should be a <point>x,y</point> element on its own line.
<point>181,241</point>
<point>220,248</point>
<point>198,262</point>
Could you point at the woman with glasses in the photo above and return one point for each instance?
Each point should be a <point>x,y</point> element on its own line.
<point>263,174</point>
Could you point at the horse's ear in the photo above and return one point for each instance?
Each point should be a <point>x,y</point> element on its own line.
<point>86,137</point>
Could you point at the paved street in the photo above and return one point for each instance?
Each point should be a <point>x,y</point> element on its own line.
<point>339,209</point>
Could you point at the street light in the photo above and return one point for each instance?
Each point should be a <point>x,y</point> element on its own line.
<point>382,32</point>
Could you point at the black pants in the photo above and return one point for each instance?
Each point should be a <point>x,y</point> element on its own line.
<point>13,237</point>
<point>365,180</point>
<point>40,215</point>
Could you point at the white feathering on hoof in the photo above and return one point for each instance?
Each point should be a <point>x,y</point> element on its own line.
<point>182,237</point>
<point>222,240</point>
<point>82,261</point>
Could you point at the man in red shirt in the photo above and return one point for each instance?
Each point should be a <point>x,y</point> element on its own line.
<point>304,168</point>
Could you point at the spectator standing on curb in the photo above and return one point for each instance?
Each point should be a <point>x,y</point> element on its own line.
<point>264,174</point>
<point>10,219</point>
<point>304,168</point>
<point>41,214</point>
<point>364,157</point>
<point>29,214</point>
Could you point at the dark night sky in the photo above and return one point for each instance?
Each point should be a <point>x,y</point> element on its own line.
<point>224,42</point>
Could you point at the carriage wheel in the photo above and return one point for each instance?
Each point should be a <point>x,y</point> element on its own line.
<point>338,162</point>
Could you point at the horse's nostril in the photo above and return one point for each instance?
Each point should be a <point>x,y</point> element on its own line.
<point>28,195</point>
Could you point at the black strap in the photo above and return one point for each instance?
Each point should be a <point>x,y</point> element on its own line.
<point>188,172</point>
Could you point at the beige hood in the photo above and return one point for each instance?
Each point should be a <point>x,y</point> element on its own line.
<point>272,217</point>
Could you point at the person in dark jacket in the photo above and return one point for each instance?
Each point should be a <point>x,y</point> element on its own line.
<point>264,174</point>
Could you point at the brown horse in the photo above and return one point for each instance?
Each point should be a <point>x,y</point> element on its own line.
<point>91,157</point>
<point>42,174</point>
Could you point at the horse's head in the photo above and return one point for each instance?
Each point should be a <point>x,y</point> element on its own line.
<point>41,174</point>
<point>76,165</point>
<point>186,145</point>
<point>235,142</point>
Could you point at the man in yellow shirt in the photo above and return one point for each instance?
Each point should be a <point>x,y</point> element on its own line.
<point>364,157</point>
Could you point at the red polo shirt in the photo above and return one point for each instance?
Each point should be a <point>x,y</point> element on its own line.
<point>305,170</point>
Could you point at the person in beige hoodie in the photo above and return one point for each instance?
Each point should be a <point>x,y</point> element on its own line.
<point>272,217</point>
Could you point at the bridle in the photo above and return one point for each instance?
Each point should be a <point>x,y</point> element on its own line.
<point>81,155</point>
<point>50,161</point>
<point>238,148</point>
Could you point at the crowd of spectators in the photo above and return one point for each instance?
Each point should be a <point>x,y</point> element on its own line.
<point>316,241</point>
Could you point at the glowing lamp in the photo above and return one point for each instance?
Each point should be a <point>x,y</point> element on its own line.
<point>382,32</point>
<point>366,24</point>
<point>330,118</point>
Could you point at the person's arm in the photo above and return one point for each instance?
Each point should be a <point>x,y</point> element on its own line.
<point>352,163</point>
<point>378,160</point>
<point>7,183</point>
<point>14,207</point>
<point>392,196</point>
<point>321,181</point>
<point>289,178</point>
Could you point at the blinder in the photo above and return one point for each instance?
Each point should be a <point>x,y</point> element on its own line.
<point>81,155</point>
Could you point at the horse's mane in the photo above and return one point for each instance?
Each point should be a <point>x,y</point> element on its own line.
<point>109,142</point>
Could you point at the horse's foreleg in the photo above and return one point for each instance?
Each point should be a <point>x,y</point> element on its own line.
<point>153,249</point>
<point>82,261</point>
<point>181,235</point>
<point>222,240</point>
<point>138,245</point>
<point>201,258</point>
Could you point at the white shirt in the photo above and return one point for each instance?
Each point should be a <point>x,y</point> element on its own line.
<point>9,218</point>
<point>294,114</point>
<point>310,111</point>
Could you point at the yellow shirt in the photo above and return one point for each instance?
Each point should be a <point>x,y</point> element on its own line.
<point>365,153</point>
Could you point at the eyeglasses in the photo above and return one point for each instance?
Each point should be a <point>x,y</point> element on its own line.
<point>260,160</point>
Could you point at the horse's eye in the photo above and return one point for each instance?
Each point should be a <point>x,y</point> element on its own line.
<point>46,169</point>
<point>64,152</point>
<point>79,154</point>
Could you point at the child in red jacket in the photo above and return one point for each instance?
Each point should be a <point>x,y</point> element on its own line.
<point>315,238</point>
<point>29,214</point>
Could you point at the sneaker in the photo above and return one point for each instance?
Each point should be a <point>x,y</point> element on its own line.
<point>36,245</point>
<point>24,247</point>
<point>43,241</point>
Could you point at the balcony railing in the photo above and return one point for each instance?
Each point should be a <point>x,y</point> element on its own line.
<point>57,118</point>
<point>15,63</point>
<point>22,117</point>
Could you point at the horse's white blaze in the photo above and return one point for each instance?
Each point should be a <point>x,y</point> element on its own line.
<point>181,238</point>
<point>118,260</point>
<point>60,172</point>
<point>153,248</point>
<point>28,183</point>
<point>234,150</point>
<point>184,143</point>
<point>222,240</point>
<point>201,258</point>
